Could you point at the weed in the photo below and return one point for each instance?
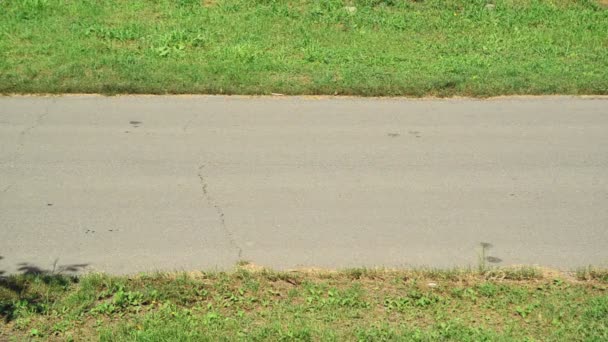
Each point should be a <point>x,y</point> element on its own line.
<point>359,273</point>
<point>35,333</point>
<point>413,299</point>
<point>524,311</point>
<point>592,273</point>
<point>488,289</point>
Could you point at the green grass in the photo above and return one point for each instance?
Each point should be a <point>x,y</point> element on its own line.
<point>385,47</point>
<point>358,304</point>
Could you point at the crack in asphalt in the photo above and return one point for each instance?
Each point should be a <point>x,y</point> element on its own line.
<point>219,210</point>
<point>190,122</point>
<point>19,151</point>
<point>7,188</point>
<point>35,124</point>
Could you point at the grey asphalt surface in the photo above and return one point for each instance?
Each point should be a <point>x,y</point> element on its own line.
<point>130,184</point>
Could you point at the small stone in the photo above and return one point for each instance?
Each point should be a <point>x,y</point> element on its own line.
<point>432,284</point>
<point>350,9</point>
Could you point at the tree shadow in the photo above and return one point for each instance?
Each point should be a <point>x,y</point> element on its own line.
<point>30,269</point>
<point>23,290</point>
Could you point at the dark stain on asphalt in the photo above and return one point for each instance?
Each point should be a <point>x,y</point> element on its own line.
<point>49,204</point>
<point>393,135</point>
<point>415,133</point>
<point>89,231</point>
<point>485,246</point>
<point>135,123</point>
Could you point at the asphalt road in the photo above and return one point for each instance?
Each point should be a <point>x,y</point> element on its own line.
<point>130,184</point>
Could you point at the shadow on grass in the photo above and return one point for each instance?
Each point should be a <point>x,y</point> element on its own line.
<point>29,288</point>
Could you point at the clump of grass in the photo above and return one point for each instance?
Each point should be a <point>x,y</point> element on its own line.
<point>454,274</point>
<point>514,273</point>
<point>243,263</point>
<point>360,47</point>
<point>592,274</point>
<point>367,273</point>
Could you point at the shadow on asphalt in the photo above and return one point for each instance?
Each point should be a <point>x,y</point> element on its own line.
<point>30,269</point>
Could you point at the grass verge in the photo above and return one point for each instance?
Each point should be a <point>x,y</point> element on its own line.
<point>350,47</point>
<point>358,304</point>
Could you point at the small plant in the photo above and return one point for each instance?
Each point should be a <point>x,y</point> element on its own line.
<point>487,289</point>
<point>104,308</point>
<point>124,299</point>
<point>303,334</point>
<point>525,310</point>
<point>176,42</point>
<point>351,298</point>
<point>61,327</point>
<point>400,304</point>
<point>35,333</point>
<point>414,298</point>
<point>110,33</point>
<point>359,273</point>
<point>121,300</point>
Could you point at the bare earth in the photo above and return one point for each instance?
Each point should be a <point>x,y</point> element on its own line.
<point>130,184</point>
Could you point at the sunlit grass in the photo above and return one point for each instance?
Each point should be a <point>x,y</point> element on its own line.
<point>361,47</point>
